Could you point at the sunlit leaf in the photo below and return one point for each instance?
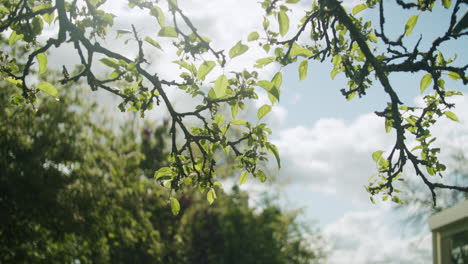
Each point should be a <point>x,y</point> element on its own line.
<point>220,86</point>
<point>297,50</point>
<point>211,195</point>
<point>110,62</point>
<point>253,36</point>
<point>425,81</point>
<point>42,61</point>
<point>377,155</point>
<point>283,21</point>
<point>168,32</point>
<point>14,37</point>
<point>237,50</point>
<point>153,42</point>
<point>446,3</point>
<point>303,66</point>
<point>243,177</point>
<point>175,206</point>
<point>159,14</point>
<point>262,111</point>
<point>205,68</point>
<point>164,171</point>
<point>451,115</point>
<point>274,150</point>
<point>48,88</point>
<point>359,8</point>
<point>410,24</point>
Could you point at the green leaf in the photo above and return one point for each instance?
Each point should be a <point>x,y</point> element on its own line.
<point>243,177</point>
<point>48,18</point>
<point>296,50</point>
<point>159,14</point>
<point>373,37</point>
<point>205,68</point>
<point>14,37</point>
<point>262,111</point>
<point>397,200</point>
<point>410,24</point>
<point>377,155</point>
<point>261,176</point>
<point>164,171</point>
<point>388,125</point>
<point>283,21</point>
<point>237,50</point>
<point>153,42</point>
<point>220,86</point>
<point>110,63</point>
<point>42,60</point>
<point>238,122</point>
<point>234,110</point>
<point>122,32</point>
<point>265,84</point>
<point>253,36</point>
<point>446,3</point>
<point>292,1</point>
<point>276,84</point>
<point>359,8</point>
<point>274,150</point>
<point>48,88</point>
<point>175,206</point>
<point>263,62</point>
<point>211,195</point>
<point>303,69</point>
<point>451,115</point>
<point>425,81</point>
<point>169,32</point>
<point>454,76</point>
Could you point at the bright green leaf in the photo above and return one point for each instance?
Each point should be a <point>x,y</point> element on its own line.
<point>220,86</point>
<point>234,110</point>
<point>48,18</point>
<point>262,111</point>
<point>243,177</point>
<point>48,88</point>
<point>359,8</point>
<point>454,76</point>
<point>14,37</point>
<point>446,3</point>
<point>303,66</point>
<point>261,176</point>
<point>297,50</point>
<point>159,14</point>
<point>410,24</point>
<point>110,62</point>
<point>153,42</point>
<point>164,171</point>
<point>42,60</point>
<point>211,195</point>
<point>205,68</point>
<point>253,36</point>
<point>451,115</point>
<point>237,50</point>
<point>425,81</point>
<point>274,150</point>
<point>263,62</point>
<point>168,32</point>
<point>238,122</point>
<point>377,155</point>
<point>175,206</point>
<point>283,21</point>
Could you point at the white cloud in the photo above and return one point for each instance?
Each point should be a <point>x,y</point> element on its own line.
<point>362,237</point>
<point>335,156</point>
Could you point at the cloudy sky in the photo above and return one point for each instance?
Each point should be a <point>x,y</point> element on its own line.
<point>325,141</point>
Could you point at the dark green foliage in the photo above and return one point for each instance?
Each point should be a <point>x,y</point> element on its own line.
<point>71,190</point>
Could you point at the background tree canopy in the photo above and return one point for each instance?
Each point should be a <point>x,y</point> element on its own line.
<point>364,51</point>
<point>72,190</point>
